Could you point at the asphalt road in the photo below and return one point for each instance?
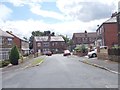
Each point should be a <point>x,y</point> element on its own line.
<point>58,71</point>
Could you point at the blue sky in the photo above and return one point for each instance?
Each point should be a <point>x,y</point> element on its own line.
<point>24,13</point>
<point>63,17</point>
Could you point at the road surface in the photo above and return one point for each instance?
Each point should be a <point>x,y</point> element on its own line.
<point>59,71</point>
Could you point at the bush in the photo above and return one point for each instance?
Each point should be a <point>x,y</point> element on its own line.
<point>4,63</point>
<point>81,48</point>
<point>14,56</point>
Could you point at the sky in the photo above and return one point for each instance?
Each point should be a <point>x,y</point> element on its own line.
<point>60,16</point>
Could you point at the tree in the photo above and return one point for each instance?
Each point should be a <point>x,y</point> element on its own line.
<point>37,33</point>
<point>53,34</point>
<point>14,55</point>
<point>31,42</point>
<point>24,38</point>
<point>66,39</point>
<point>47,33</point>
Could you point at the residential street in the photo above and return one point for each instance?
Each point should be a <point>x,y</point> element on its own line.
<point>58,71</point>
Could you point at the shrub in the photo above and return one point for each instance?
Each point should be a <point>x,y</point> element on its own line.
<point>4,63</point>
<point>81,48</point>
<point>14,56</point>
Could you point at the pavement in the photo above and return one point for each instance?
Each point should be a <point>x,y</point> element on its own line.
<point>26,63</point>
<point>108,65</point>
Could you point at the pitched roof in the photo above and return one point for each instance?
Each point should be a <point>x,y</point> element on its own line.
<point>41,38</point>
<point>16,36</point>
<point>56,38</point>
<point>111,20</point>
<point>5,34</point>
<point>46,38</point>
<point>92,34</point>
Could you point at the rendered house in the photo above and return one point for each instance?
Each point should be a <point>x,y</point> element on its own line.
<point>6,44</point>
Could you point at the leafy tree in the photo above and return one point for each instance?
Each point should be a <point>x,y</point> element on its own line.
<point>53,34</point>
<point>31,42</point>
<point>65,38</point>
<point>47,33</point>
<point>24,38</point>
<point>14,55</point>
<point>37,33</point>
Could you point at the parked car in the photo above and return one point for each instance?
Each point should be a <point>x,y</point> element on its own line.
<point>66,53</point>
<point>48,53</point>
<point>92,53</point>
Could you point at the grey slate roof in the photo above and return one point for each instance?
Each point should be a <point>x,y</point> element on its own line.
<point>83,34</point>
<point>5,34</point>
<point>45,38</point>
<point>56,38</point>
<point>111,20</point>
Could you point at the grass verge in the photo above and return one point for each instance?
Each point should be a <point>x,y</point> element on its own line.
<point>4,63</point>
<point>37,61</point>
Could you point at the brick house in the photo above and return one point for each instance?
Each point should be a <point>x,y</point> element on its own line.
<point>56,44</point>
<point>84,38</point>
<point>107,33</point>
<point>22,45</point>
<point>6,43</point>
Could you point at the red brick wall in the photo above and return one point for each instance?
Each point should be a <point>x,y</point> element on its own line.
<point>17,42</point>
<point>110,34</point>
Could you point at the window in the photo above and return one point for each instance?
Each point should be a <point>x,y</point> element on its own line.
<point>56,43</point>
<point>53,44</point>
<point>46,44</point>
<point>39,44</point>
<point>89,39</point>
<point>9,41</point>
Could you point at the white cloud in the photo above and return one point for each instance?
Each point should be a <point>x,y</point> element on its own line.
<point>70,12</point>
<point>5,12</point>
<point>36,9</point>
<point>87,10</point>
<point>24,28</point>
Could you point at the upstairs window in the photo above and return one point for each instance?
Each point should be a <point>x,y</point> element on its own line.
<point>9,41</point>
<point>39,44</point>
<point>46,44</point>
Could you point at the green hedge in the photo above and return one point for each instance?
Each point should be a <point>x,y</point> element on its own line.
<point>114,51</point>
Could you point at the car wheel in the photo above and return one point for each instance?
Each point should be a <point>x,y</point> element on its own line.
<point>94,55</point>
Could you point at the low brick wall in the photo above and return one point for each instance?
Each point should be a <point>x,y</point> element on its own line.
<point>80,54</point>
<point>114,58</point>
<point>103,56</point>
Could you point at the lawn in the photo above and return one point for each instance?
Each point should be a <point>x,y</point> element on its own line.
<point>37,61</point>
